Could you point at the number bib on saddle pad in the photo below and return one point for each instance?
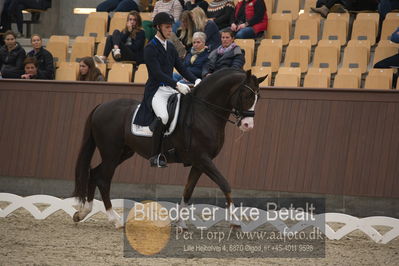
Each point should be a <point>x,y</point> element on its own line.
<point>173,111</point>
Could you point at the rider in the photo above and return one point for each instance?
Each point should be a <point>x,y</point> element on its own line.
<point>160,56</point>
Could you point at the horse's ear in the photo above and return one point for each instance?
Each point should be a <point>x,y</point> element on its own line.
<point>249,74</point>
<point>261,79</point>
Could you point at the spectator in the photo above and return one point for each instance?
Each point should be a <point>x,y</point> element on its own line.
<point>127,45</point>
<point>119,6</point>
<point>44,58</point>
<point>250,19</point>
<point>386,6</point>
<point>14,8</point>
<point>323,6</point>
<point>186,30</point>
<point>172,7</point>
<point>392,61</point>
<point>31,69</point>
<point>12,57</point>
<point>221,12</point>
<point>191,4</point>
<point>196,58</point>
<point>209,27</point>
<point>88,70</point>
<point>228,55</point>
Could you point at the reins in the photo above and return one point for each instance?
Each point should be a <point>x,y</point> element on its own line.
<point>238,114</point>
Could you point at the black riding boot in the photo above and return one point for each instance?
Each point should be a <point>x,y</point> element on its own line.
<point>158,129</point>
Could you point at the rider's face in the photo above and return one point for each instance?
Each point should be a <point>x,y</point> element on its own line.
<point>166,29</point>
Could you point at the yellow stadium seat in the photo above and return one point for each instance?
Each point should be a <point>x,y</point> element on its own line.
<point>260,71</point>
<point>335,30</point>
<point>308,5</point>
<point>141,75</point>
<point>356,57</point>
<point>303,43</point>
<point>387,73</point>
<point>326,57</point>
<point>279,30</point>
<point>289,7</point>
<point>286,80</point>
<point>103,68</point>
<point>370,16</point>
<point>67,71</point>
<point>103,15</point>
<point>87,39</point>
<point>249,46</point>
<point>123,67</point>
<point>361,43</point>
<point>269,7</point>
<point>269,54</point>
<point>118,76</point>
<point>364,29</point>
<point>80,50</point>
<point>118,21</point>
<point>59,38</point>
<point>290,70</point>
<point>382,52</point>
<point>315,81</point>
<point>346,82</point>
<point>314,16</point>
<point>95,27</point>
<point>59,50</point>
<point>281,16</point>
<point>71,65</point>
<point>377,82</point>
<point>339,16</point>
<point>351,72</point>
<point>328,43</point>
<point>388,27</point>
<point>320,71</point>
<point>297,56</point>
<point>307,29</point>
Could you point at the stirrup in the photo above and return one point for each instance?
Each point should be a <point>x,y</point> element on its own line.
<point>158,161</point>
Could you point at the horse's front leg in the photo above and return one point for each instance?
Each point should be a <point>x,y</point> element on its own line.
<point>209,168</point>
<point>192,180</point>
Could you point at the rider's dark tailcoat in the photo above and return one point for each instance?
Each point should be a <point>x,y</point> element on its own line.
<point>160,63</point>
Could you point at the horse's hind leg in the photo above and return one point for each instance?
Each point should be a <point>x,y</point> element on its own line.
<point>103,181</point>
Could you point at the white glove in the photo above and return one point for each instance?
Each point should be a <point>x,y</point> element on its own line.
<point>197,81</point>
<point>182,88</point>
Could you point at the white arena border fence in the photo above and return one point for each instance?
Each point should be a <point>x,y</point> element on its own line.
<point>351,223</point>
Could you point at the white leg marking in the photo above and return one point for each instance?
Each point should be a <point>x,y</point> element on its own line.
<point>114,217</point>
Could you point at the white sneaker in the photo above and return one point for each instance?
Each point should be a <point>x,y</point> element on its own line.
<point>116,53</point>
<point>99,59</point>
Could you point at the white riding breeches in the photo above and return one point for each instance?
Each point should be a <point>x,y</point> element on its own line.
<point>160,102</point>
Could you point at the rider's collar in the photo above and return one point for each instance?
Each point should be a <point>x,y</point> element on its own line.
<point>164,43</point>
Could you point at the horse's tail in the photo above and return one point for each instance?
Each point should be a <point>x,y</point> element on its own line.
<point>82,170</point>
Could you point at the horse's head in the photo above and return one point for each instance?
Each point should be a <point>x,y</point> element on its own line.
<point>245,100</point>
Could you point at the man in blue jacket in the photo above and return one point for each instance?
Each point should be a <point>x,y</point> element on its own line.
<point>161,57</point>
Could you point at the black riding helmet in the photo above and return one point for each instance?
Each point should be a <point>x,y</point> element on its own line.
<point>163,18</point>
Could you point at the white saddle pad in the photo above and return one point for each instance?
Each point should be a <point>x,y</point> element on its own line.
<point>146,132</point>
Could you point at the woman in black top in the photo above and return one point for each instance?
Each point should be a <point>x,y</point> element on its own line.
<point>127,45</point>
<point>12,57</point>
<point>221,12</point>
<point>44,58</point>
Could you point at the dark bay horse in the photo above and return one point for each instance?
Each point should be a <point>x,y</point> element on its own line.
<point>208,107</point>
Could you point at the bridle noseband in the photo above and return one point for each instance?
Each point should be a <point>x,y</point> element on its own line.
<point>238,114</point>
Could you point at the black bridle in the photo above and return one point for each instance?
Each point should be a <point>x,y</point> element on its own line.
<point>238,113</point>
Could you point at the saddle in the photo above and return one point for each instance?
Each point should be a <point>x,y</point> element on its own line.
<point>173,108</point>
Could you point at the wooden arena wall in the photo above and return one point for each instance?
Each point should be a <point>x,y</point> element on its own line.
<point>341,142</point>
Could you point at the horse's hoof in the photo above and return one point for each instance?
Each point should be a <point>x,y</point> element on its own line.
<point>119,226</point>
<point>76,217</point>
